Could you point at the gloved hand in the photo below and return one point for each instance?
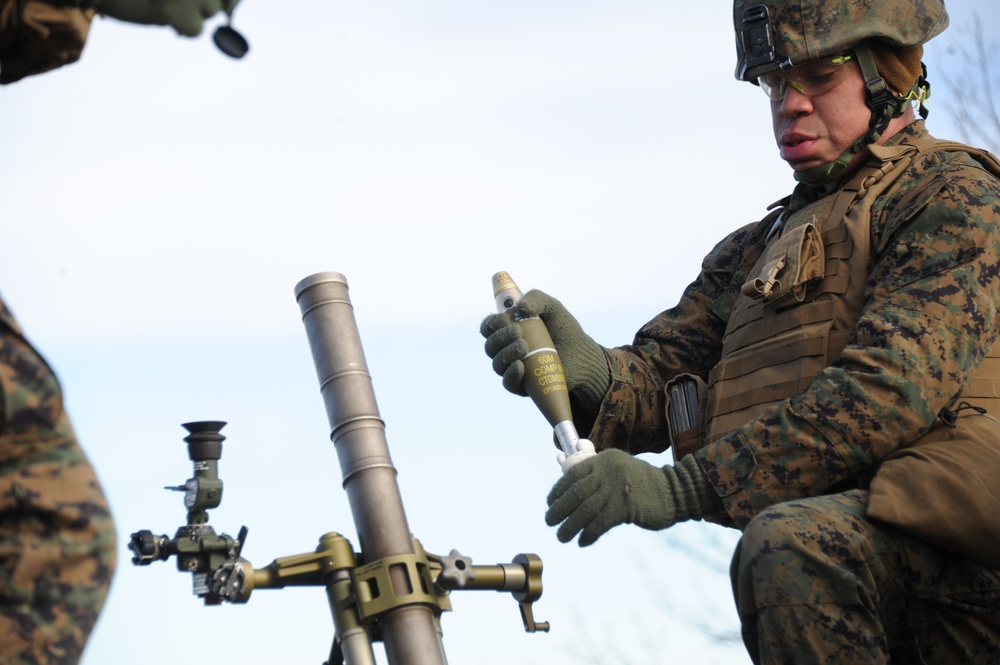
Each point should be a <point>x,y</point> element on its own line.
<point>584,362</point>
<point>615,488</point>
<point>185,16</point>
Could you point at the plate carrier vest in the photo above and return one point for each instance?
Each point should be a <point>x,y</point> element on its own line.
<point>794,319</point>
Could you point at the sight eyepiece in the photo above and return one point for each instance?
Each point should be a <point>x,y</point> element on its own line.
<point>204,441</point>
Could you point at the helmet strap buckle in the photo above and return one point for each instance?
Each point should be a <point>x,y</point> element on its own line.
<point>884,103</point>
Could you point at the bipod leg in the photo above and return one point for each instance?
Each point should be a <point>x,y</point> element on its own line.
<point>336,655</point>
<point>352,640</point>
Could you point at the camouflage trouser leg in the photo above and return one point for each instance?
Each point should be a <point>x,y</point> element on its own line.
<point>57,556</point>
<point>817,582</point>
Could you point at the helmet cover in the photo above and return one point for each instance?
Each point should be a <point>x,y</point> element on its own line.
<point>778,34</point>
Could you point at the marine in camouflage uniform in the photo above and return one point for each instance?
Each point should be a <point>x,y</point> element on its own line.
<point>57,538</point>
<point>827,471</point>
<point>778,475</point>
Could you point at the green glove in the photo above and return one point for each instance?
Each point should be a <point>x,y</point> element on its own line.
<point>615,488</point>
<point>185,16</point>
<point>588,376</point>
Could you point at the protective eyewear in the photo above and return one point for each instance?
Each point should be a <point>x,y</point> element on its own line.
<point>811,79</point>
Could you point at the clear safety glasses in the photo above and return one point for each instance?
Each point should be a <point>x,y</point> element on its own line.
<point>811,79</point>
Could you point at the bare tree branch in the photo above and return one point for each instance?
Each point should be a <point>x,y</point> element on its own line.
<point>971,82</point>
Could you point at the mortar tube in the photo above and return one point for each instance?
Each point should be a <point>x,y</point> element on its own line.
<point>369,478</point>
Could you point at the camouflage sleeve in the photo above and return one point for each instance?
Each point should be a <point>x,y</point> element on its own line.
<point>36,36</point>
<point>930,315</point>
<point>684,339</point>
<point>57,536</point>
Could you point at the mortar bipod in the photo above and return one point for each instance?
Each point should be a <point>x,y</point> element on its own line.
<point>360,594</point>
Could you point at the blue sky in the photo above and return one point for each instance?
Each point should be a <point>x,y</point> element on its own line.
<point>162,201</point>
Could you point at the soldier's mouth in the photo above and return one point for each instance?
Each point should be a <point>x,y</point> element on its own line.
<point>796,147</point>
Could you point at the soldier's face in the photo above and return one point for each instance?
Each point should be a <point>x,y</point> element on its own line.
<point>812,130</point>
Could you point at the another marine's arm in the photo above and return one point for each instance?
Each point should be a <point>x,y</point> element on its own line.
<point>37,36</point>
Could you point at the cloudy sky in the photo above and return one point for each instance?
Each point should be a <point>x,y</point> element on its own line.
<point>161,201</point>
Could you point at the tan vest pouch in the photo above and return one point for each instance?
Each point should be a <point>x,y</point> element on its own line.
<point>944,488</point>
<point>793,262</point>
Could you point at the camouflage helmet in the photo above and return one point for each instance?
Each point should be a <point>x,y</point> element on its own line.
<point>778,34</point>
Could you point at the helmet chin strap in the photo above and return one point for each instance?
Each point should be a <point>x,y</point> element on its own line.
<point>885,105</point>
<point>825,174</point>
